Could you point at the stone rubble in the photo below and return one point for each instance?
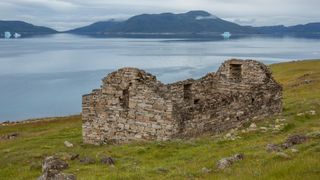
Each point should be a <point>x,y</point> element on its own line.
<point>293,140</point>
<point>108,161</point>
<point>228,161</point>
<point>288,143</point>
<point>52,167</point>
<point>9,136</point>
<point>133,105</point>
<point>273,148</point>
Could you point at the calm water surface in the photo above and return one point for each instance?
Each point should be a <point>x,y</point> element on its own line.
<point>46,76</point>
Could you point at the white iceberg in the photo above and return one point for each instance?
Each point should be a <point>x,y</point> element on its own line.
<point>7,35</point>
<point>16,35</point>
<point>226,35</point>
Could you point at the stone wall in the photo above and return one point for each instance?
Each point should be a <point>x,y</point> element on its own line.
<point>129,106</point>
<point>133,105</point>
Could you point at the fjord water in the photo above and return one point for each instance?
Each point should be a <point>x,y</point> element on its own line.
<point>46,76</point>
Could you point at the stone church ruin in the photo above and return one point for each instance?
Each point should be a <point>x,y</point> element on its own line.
<point>133,105</point>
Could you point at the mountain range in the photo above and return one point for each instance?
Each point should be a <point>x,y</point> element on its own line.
<point>190,24</point>
<point>24,28</point>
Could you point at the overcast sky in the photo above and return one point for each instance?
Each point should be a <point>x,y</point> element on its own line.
<point>67,14</point>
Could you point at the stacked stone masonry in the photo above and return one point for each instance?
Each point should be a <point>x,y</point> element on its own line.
<point>134,105</point>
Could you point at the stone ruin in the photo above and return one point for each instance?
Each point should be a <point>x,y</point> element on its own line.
<point>133,105</point>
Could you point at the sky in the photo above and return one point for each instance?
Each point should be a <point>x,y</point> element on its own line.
<point>68,14</point>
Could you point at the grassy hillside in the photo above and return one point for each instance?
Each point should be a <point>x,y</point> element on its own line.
<point>20,158</point>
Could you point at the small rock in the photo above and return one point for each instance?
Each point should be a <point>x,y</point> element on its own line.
<point>294,150</point>
<point>227,162</point>
<point>273,148</point>
<point>205,170</point>
<point>68,144</point>
<point>108,161</point>
<point>312,112</point>
<point>293,140</point>
<point>277,127</point>
<point>9,136</point>
<point>283,155</point>
<point>263,129</point>
<point>300,114</point>
<point>228,135</point>
<point>238,157</point>
<point>253,125</point>
<point>224,163</point>
<point>87,160</point>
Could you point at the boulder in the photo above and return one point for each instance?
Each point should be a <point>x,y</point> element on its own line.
<point>107,160</point>
<point>294,150</point>
<point>53,163</point>
<point>273,148</point>
<point>9,136</point>
<point>68,144</point>
<point>51,169</point>
<point>252,127</point>
<point>293,140</point>
<point>263,129</point>
<point>87,160</point>
<point>300,114</point>
<point>228,161</point>
<point>224,163</point>
<point>205,170</point>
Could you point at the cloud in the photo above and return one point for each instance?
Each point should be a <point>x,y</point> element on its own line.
<point>206,17</point>
<point>66,14</point>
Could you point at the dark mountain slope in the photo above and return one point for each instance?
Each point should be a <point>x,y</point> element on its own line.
<point>24,28</point>
<point>190,22</point>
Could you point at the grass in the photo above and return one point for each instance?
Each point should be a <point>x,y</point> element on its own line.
<point>21,158</point>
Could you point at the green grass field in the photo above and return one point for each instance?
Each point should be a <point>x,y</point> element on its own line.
<point>21,158</point>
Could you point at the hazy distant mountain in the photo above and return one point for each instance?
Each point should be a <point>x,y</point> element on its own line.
<point>190,24</point>
<point>307,29</point>
<point>185,23</point>
<point>24,28</point>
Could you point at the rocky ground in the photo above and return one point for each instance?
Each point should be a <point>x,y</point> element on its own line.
<point>283,147</point>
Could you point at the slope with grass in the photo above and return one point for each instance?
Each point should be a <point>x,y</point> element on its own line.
<point>20,158</point>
